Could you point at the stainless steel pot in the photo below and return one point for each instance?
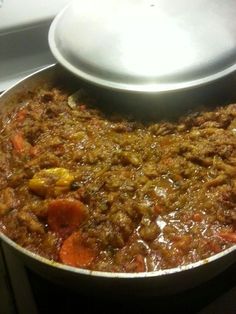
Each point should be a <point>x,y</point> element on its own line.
<point>148,106</point>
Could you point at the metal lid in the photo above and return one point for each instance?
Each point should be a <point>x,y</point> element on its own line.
<point>146,45</point>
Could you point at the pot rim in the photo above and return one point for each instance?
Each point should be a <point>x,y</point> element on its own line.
<point>118,275</point>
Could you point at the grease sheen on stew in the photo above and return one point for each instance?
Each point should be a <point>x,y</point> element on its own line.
<point>105,193</point>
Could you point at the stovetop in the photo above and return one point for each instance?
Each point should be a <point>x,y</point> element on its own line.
<point>23,291</point>
<point>24,46</point>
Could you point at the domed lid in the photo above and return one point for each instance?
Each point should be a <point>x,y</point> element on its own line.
<point>146,45</point>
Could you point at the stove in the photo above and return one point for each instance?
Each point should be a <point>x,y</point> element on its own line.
<point>24,28</point>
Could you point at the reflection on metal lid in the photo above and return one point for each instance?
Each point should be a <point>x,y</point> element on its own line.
<point>146,45</point>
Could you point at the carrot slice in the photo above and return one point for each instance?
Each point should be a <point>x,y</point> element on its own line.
<point>228,236</point>
<point>65,215</point>
<point>75,253</point>
<point>18,142</point>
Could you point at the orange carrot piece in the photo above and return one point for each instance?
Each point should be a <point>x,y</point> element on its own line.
<point>65,215</point>
<point>228,236</point>
<point>18,142</point>
<point>139,263</point>
<point>21,115</point>
<point>74,253</point>
<point>197,217</point>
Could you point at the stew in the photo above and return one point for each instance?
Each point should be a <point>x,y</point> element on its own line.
<point>105,193</point>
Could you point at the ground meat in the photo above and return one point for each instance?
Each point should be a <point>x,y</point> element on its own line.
<point>8,200</point>
<point>105,193</point>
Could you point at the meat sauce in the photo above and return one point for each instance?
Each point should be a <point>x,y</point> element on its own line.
<point>105,193</point>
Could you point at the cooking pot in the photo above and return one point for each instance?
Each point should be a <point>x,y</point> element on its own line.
<point>148,106</point>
